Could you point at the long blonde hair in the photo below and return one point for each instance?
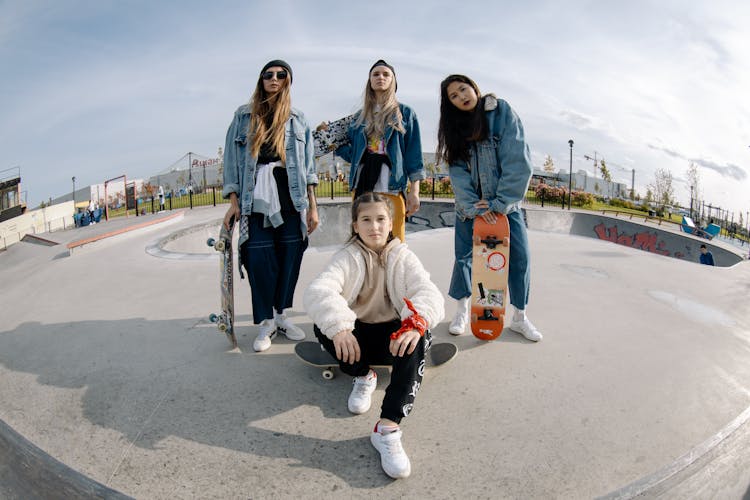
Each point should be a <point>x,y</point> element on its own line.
<point>263,105</point>
<point>389,113</point>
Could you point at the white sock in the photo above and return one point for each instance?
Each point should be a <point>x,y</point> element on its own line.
<point>462,305</point>
<point>385,429</point>
<point>519,315</point>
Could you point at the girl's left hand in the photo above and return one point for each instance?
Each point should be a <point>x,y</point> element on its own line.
<point>405,344</point>
<point>488,216</point>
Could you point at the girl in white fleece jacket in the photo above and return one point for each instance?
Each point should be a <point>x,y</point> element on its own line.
<point>374,304</point>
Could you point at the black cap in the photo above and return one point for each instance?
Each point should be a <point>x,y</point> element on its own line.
<point>278,62</point>
<point>381,62</point>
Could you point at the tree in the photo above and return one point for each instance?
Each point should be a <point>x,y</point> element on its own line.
<point>693,178</point>
<point>662,187</point>
<point>606,175</point>
<point>549,165</point>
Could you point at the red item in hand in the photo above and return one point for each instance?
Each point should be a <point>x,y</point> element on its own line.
<point>413,322</point>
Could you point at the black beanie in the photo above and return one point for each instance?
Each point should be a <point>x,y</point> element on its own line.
<point>278,62</point>
<point>381,62</point>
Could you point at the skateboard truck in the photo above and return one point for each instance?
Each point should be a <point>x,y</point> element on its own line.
<point>491,242</point>
<point>488,316</point>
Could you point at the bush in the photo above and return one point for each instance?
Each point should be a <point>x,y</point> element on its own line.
<point>442,186</point>
<point>582,199</point>
<point>551,194</point>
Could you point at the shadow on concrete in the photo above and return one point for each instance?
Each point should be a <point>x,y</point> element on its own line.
<point>152,380</point>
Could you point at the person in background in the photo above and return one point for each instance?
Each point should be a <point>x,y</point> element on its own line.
<point>706,257</point>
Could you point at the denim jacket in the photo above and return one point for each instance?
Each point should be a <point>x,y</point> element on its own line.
<point>501,164</point>
<point>240,166</point>
<point>404,150</point>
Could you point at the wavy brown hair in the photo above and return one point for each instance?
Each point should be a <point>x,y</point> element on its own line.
<point>263,106</point>
<point>457,128</point>
<point>389,113</point>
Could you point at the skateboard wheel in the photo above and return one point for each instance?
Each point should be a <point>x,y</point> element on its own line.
<point>213,318</point>
<point>210,242</point>
<point>222,327</point>
<point>219,245</point>
<point>328,374</point>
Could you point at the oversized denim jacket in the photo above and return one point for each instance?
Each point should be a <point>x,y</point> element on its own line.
<point>403,149</point>
<point>240,166</point>
<point>501,162</point>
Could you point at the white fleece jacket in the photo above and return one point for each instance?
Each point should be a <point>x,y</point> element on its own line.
<point>328,297</point>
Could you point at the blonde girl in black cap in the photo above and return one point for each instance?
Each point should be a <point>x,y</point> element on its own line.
<point>385,148</point>
<point>269,178</point>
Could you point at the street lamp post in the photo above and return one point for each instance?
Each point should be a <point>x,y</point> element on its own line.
<point>691,201</point>
<point>74,191</point>
<point>570,176</point>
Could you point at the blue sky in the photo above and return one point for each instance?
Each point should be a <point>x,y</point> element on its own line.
<point>95,89</point>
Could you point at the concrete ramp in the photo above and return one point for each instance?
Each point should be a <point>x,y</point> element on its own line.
<point>649,238</point>
<point>28,472</point>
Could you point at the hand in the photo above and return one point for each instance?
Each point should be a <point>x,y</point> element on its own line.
<point>312,219</point>
<point>347,347</point>
<point>488,216</point>
<point>412,203</point>
<point>322,126</point>
<point>405,344</point>
<point>233,213</point>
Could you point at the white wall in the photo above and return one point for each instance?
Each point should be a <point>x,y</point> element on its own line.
<point>43,220</point>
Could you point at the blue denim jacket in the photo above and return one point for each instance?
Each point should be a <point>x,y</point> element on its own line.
<point>240,166</point>
<point>501,163</point>
<point>404,151</point>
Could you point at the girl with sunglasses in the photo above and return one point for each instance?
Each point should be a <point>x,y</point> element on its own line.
<point>481,139</point>
<point>269,178</point>
<point>385,148</point>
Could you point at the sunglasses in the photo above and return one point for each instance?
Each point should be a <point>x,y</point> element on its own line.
<point>281,75</point>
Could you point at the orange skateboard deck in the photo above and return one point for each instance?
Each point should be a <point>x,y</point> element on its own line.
<point>489,277</point>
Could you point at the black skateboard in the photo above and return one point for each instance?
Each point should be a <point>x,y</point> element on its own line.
<point>314,354</point>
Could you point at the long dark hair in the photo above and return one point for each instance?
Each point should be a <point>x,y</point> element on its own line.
<point>457,128</point>
<point>370,197</point>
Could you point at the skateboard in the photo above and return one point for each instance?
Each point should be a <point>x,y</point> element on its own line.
<point>313,353</point>
<point>225,319</point>
<point>333,137</point>
<point>489,277</point>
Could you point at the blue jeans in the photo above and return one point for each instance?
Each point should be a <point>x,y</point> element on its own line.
<point>519,265</point>
<point>272,258</point>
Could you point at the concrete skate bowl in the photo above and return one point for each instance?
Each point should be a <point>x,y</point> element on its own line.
<point>648,238</point>
<point>28,472</point>
<point>334,229</point>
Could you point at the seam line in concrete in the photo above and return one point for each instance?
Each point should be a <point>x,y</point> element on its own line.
<point>640,486</point>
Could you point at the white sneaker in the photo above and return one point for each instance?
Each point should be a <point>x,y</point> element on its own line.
<point>458,324</point>
<point>267,332</point>
<point>525,328</point>
<point>393,458</point>
<point>289,329</point>
<point>360,398</point>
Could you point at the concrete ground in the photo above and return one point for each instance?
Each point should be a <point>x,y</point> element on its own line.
<point>641,385</point>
